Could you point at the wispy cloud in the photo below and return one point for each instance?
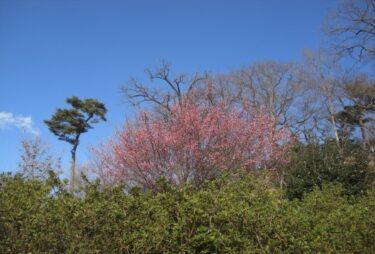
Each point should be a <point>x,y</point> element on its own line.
<point>25,123</point>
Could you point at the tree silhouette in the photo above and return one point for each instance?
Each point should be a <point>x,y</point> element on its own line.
<point>69,124</point>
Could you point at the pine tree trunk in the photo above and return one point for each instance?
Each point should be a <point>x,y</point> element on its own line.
<point>72,170</point>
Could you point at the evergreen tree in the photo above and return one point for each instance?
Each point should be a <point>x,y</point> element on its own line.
<point>69,124</point>
<point>359,112</point>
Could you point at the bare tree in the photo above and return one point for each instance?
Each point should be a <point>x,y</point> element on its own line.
<point>352,26</point>
<point>326,79</point>
<point>36,161</point>
<point>165,89</point>
<point>274,87</point>
<point>303,96</point>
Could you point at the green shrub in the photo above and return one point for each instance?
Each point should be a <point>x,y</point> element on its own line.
<point>314,164</point>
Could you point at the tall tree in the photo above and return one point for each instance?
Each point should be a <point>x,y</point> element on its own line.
<point>325,77</point>
<point>278,89</point>
<point>69,124</point>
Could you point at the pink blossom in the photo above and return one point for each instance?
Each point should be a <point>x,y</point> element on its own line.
<point>194,143</point>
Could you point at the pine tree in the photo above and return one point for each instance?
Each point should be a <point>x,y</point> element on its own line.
<point>69,124</point>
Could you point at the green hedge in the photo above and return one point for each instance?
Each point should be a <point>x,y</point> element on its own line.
<point>233,214</point>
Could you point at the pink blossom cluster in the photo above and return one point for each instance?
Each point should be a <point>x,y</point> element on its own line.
<point>194,143</point>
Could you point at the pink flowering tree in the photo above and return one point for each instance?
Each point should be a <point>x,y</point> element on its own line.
<point>192,144</point>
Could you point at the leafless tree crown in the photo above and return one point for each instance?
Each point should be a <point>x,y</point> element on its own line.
<point>352,26</point>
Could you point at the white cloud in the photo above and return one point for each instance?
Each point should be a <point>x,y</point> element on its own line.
<point>8,120</point>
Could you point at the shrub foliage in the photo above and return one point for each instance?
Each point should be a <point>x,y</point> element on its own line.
<point>313,164</point>
<point>235,213</point>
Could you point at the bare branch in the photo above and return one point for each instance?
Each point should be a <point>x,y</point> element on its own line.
<point>164,90</point>
<point>352,28</point>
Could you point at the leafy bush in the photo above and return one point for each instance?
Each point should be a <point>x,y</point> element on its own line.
<point>236,213</point>
<point>313,164</point>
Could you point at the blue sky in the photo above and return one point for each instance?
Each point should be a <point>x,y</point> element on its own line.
<point>50,50</point>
